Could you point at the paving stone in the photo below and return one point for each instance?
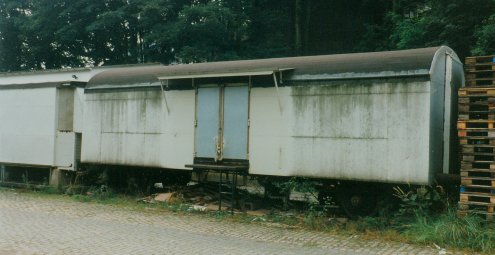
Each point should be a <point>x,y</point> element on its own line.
<point>43,225</point>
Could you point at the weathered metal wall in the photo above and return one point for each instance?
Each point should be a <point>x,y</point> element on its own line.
<point>69,114</point>
<point>65,109</point>
<point>28,124</point>
<point>135,128</point>
<point>64,150</point>
<point>437,116</point>
<point>78,110</point>
<point>362,130</point>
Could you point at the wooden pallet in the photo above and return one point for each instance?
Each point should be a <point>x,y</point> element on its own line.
<point>478,182</point>
<point>477,197</point>
<point>480,91</point>
<point>482,190</point>
<point>476,140</point>
<point>480,82</point>
<point>474,133</point>
<point>478,152</point>
<point>479,60</point>
<point>477,206</point>
<point>479,63</point>
<point>476,115</point>
<point>475,124</point>
<point>486,165</point>
<point>480,75</point>
<point>477,107</point>
<point>474,149</point>
<point>479,158</point>
<point>480,67</point>
<point>484,173</point>
<point>477,100</point>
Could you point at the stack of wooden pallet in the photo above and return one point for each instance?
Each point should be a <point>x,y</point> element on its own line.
<point>476,129</point>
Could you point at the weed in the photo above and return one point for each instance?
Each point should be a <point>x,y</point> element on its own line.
<point>315,216</point>
<point>282,219</point>
<point>422,218</point>
<point>372,223</point>
<point>101,193</point>
<point>450,230</point>
<point>423,200</point>
<point>49,190</point>
<point>82,198</point>
<point>220,215</point>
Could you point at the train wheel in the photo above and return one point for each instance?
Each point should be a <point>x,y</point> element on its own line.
<point>358,201</point>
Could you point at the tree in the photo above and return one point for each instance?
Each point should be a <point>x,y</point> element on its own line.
<point>426,23</point>
<point>485,38</point>
<point>37,34</point>
<point>12,15</point>
<point>202,32</point>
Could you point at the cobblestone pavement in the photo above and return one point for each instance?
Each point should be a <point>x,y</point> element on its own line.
<point>44,225</point>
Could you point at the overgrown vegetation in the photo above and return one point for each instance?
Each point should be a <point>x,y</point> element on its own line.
<point>448,229</point>
<point>426,217</point>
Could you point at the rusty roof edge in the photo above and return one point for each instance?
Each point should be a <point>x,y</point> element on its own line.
<point>353,76</point>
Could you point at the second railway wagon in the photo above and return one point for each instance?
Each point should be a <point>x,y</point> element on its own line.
<point>41,123</point>
<point>363,118</point>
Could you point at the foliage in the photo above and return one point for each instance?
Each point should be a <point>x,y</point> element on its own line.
<point>425,217</point>
<point>423,201</point>
<point>450,230</point>
<point>485,38</point>
<point>460,24</point>
<point>43,34</point>
<point>298,184</point>
<point>46,189</point>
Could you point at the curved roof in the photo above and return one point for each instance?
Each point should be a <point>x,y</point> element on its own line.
<point>341,66</point>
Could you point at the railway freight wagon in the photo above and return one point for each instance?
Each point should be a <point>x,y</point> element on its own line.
<point>40,124</point>
<point>360,119</point>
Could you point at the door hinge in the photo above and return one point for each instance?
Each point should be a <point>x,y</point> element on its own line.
<point>195,123</point>
<point>249,122</point>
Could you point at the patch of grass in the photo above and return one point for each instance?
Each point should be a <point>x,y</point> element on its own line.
<point>219,215</point>
<point>177,207</point>
<point>315,220</point>
<point>448,229</point>
<point>51,190</point>
<point>82,198</point>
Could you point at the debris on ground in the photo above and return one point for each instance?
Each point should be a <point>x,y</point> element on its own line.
<point>198,208</point>
<point>163,197</point>
<point>205,198</point>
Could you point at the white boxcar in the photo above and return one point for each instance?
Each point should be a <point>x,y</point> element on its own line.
<point>41,119</point>
<point>384,117</point>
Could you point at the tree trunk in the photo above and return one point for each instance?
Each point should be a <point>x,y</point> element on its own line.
<point>307,23</point>
<point>297,27</point>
